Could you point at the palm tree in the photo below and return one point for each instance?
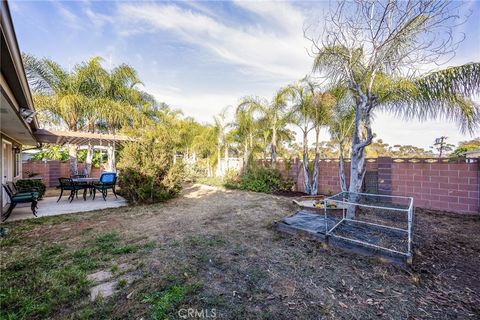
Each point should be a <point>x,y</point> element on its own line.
<point>205,143</point>
<point>274,115</point>
<point>322,105</point>
<point>303,95</point>
<point>440,94</point>
<point>341,127</point>
<point>58,95</point>
<point>120,97</point>
<point>246,129</point>
<point>375,50</point>
<point>92,76</point>
<point>221,125</point>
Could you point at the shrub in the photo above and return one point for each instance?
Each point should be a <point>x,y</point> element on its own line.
<point>31,174</point>
<point>32,183</point>
<point>232,179</point>
<point>195,171</point>
<point>147,172</point>
<point>264,179</point>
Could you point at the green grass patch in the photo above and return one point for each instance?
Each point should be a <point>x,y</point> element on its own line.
<point>33,288</point>
<point>149,246</point>
<point>109,243</point>
<point>165,303</point>
<point>36,284</point>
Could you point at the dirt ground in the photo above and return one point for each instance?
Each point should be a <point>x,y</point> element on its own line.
<point>224,245</point>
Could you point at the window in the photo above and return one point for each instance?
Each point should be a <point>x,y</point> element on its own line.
<point>17,162</point>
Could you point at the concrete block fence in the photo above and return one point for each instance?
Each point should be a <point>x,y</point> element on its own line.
<point>434,183</point>
<point>51,170</point>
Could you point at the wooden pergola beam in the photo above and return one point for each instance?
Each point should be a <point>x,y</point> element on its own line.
<point>78,138</point>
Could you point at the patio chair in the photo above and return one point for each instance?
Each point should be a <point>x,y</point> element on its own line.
<point>69,185</point>
<point>16,190</point>
<point>20,197</point>
<point>107,181</point>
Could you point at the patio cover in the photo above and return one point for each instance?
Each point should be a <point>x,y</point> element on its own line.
<point>78,138</point>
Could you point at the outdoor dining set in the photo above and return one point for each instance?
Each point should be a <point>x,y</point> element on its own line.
<point>77,183</point>
<point>74,184</point>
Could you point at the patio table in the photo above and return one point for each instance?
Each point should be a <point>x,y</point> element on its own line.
<point>86,181</point>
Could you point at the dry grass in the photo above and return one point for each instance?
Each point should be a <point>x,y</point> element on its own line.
<point>218,249</point>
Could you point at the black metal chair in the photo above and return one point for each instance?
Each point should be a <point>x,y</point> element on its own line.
<point>69,185</point>
<point>18,190</point>
<point>20,197</point>
<point>107,181</point>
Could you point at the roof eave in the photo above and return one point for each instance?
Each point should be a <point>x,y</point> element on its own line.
<point>16,57</point>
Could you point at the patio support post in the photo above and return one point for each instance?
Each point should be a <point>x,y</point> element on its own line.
<point>72,153</point>
<point>111,157</point>
<point>88,160</point>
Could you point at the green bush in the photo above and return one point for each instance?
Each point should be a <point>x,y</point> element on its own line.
<point>31,184</point>
<point>147,173</point>
<point>263,179</point>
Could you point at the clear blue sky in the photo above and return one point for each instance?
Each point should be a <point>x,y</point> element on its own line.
<point>203,56</point>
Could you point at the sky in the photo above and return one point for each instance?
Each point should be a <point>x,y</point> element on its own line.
<point>203,56</point>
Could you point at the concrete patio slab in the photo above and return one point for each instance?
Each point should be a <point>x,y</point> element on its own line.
<point>50,207</point>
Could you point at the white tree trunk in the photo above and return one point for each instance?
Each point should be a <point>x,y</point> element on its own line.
<point>357,162</point>
<point>273,158</point>
<point>246,157</point>
<point>306,175</point>
<point>226,157</point>
<point>219,171</point>
<point>316,164</point>
<point>72,153</point>
<point>316,172</point>
<point>111,158</point>
<point>88,160</point>
<point>341,170</point>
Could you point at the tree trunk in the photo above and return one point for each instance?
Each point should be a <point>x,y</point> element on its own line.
<point>357,162</point>
<point>341,169</point>
<point>72,153</point>
<point>306,174</point>
<point>245,158</point>
<point>219,161</point>
<point>88,160</point>
<point>316,164</point>
<point>273,158</point>
<point>111,158</point>
<point>226,156</point>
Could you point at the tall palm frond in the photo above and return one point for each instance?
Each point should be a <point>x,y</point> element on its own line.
<point>443,94</point>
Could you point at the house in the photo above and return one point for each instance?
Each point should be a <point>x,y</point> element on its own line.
<point>472,154</point>
<point>17,114</point>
